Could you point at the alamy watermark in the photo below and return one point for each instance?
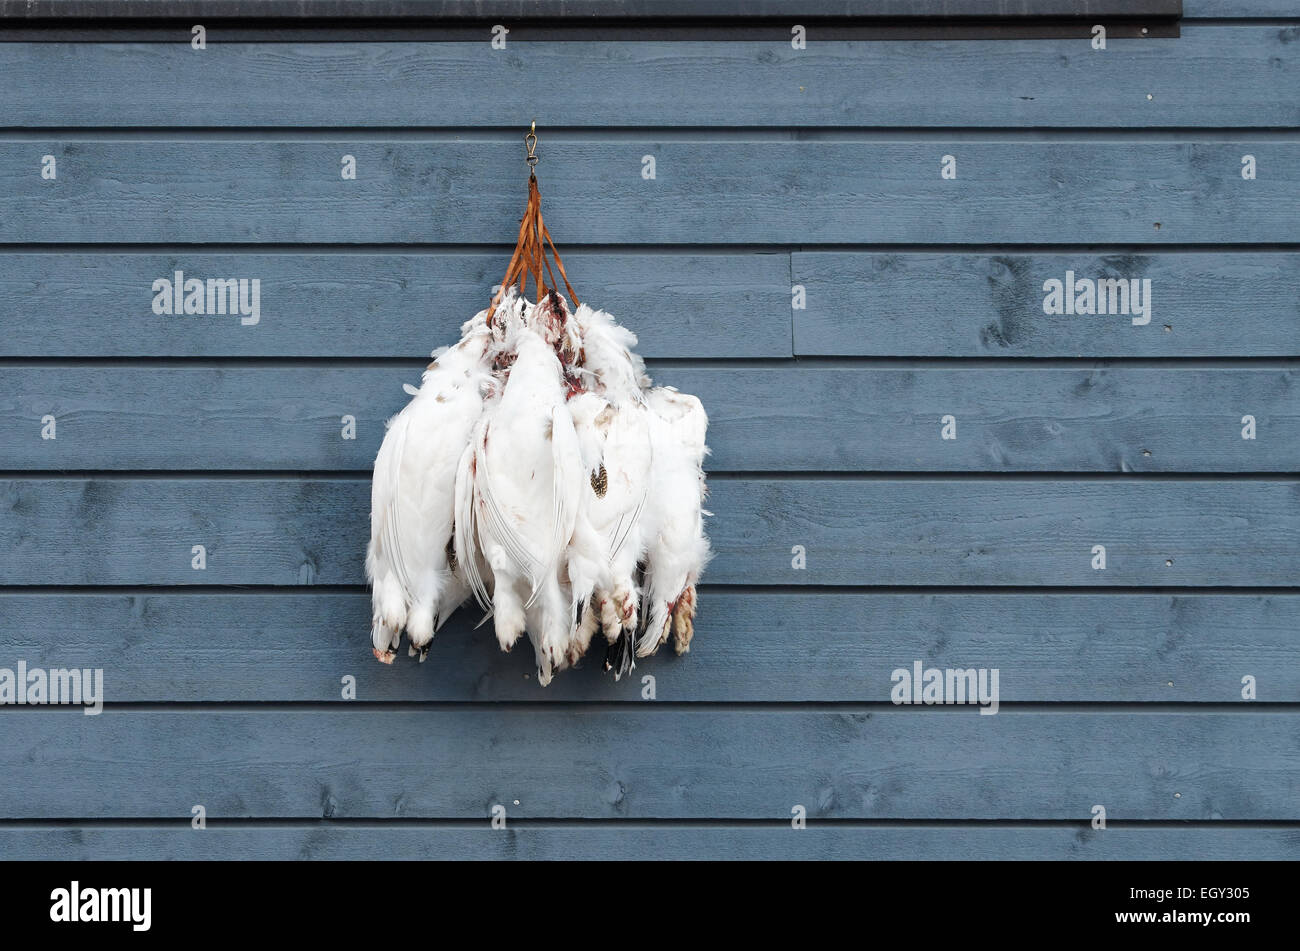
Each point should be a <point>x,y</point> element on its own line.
<point>217,295</point>
<point>60,685</point>
<point>930,685</point>
<point>78,903</point>
<point>1102,296</point>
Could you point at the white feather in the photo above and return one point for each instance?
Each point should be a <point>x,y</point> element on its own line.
<point>496,459</point>
<point>678,548</point>
<point>413,499</point>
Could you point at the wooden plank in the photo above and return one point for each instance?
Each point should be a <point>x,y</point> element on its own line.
<point>286,531</point>
<point>647,763</point>
<point>957,305</point>
<point>838,842</point>
<point>752,647</point>
<point>479,9</point>
<point>138,190</point>
<point>1008,532</point>
<point>1215,76</point>
<point>378,304</point>
<point>761,419</point>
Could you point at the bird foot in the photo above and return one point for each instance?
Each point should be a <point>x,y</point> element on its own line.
<point>684,621</point>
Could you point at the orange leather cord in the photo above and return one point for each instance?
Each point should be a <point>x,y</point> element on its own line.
<point>530,254</point>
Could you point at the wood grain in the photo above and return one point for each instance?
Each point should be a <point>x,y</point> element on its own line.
<point>377,304</point>
<point>791,419</point>
<point>905,763</point>
<point>871,191</point>
<point>290,531</point>
<point>326,841</point>
<point>1238,75</point>
<point>750,646</point>
<point>1203,304</point>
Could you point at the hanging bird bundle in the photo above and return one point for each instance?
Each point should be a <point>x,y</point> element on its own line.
<point>539,472</point>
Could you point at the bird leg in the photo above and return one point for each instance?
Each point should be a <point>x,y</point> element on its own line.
<point>508,611</point>
<point>625,603</point>
<point>684,620</point>
<point>610,621</point>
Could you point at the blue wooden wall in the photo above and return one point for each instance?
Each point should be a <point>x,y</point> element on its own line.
<point>775,168</point>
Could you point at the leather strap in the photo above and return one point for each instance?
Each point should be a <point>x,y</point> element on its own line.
<point>530,254</point>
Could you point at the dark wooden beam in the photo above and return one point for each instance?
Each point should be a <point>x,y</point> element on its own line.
<point>515,9</point>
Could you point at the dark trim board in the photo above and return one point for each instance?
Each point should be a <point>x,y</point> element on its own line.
<point>475,9</point>
<point>529,33</point>
<point>552,21</point>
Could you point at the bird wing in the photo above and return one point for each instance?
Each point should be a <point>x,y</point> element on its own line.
<point>465,526</point>
<point>385,493</point>
<point>567,482</point>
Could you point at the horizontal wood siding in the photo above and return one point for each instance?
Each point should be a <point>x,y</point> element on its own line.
<point>288,531</point>
<point>1211,76</point>
<point>374,303</point>
<point>913,458</point>
<point>1208,303</point>
<point>786,418</point>
<point>658,763</point>
<point>320,840</point>
<point>295,645</point>
<point>290,190</point>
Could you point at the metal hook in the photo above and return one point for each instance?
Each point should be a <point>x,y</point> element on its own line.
<point>530,140</point>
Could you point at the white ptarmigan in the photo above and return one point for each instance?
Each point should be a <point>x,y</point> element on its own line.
<point>618,491</point>
<point>526,467</point>
<point>678,549</point>
<point>410,558</point>
<point>538,468</point>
